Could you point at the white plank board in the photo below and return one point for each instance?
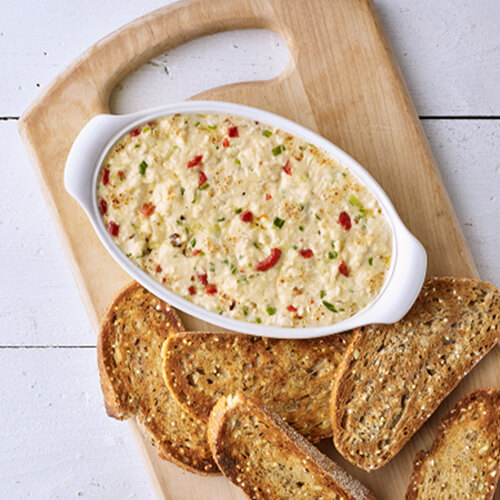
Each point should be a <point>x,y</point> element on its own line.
<point>448,51</point>
<point>39,303</point>
<point>57,441</point>
<point>467,155</point>
<point>202,64</point>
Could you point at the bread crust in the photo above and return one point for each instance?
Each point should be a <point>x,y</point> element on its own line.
<point>488,402</point>
<point>136,321</point>
<point>117,407</point>
<point>292,377</point>
<point>236,467</point>
<point>405,364</point>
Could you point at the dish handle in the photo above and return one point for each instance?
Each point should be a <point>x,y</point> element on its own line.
<point>406,281</point>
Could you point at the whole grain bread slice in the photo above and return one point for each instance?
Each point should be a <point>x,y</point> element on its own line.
<point>393,377</point>
<point>129,355</point>
<point>257,451</point>
<point>464,461</point>
<point>292,377</point>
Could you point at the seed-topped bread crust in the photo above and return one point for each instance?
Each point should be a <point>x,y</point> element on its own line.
<point>464,461</point>
<point>129,356</point>
<point>393,377</point>
<point>256,450</point>
<point>292,377</point>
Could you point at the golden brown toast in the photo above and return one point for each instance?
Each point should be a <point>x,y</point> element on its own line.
<point>292,377</point>
<point>393,377</point>
<point>257,451</point>
<point>464,461</point>
<point>129,356</point>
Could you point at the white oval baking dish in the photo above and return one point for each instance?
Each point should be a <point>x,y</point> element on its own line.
<point>408,264</point>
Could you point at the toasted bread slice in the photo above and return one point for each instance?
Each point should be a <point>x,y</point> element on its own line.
<point>292,377</point>
<point>267,459</point>
<point>464,461</point>
<point>393,377</point>
<point>129,355</point>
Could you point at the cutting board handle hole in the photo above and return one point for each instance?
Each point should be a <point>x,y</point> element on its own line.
<point>201,64</point>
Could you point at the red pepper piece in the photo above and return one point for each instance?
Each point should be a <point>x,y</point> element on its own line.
<point>268,196</point>
<point>246,216</point>
<point>152,124</point>
<point>135,132</point>
<point>343,269</point>
<point>192,290</point>
<point>105,176</point>
<point>203,278</point>
<point>103,206</point>
<point>233,132</point>
<point>113,228</point>
<point>120,173</point>
<point>306,253</point>
<point>291,308</point>
<point>147,209</point>
<point>210,289</point>
<point>287,168</point>
<point>195,161</point>
<point>202,179</point>
<point>196,252</point>
<point>345,221</point>
<point>270,261</point>
<point>158,268</point>
<point>225,142</point>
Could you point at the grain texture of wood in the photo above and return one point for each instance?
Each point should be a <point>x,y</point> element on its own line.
<point>367,112</point>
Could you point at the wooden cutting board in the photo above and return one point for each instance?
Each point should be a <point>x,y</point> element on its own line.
<point>342,81</point>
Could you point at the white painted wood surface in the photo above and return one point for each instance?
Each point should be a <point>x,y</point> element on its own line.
<point>56,440</point>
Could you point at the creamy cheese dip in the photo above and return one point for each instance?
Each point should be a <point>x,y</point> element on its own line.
<point>245,220</point>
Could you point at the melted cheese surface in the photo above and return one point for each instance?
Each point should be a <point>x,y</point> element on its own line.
<point>198,201</point>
